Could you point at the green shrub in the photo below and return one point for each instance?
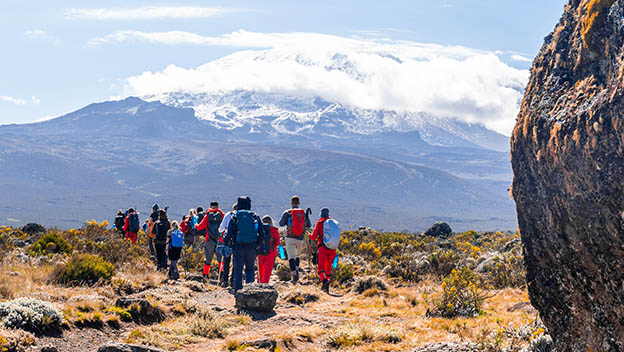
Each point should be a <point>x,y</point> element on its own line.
<point>192,259</point>
<point>462,295</point>
<point>408,267</point>
<point>283,272</point>
<point>84,269</point>
<point>443,262</point>
<point>50,243</point>
<point>344,273</point>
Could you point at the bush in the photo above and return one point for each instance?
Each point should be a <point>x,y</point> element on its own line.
<point>84,269</point>
<point>506,271</point>
<point>283,272</point>
<point>369,282</point>
<point>369,251</point>
<point>30,314</point>
<point>343,274</point>
<point>462,295</point>
<point>192,259</point>
<point>207,325</point>
<point>15,341</point>
<point>408,267</point>
<point>50,243</point>
<point>353,334</point>
<point>443,262</point>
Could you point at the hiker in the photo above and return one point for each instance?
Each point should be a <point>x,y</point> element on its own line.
<point>160,230</point>
<point>120,220</point>
<point>175,238</point>
<point>224,259</point>
<point>242,237</point>
<point>266,262</point>
<point>198,233</point>
<point>327,238</point>
<point>210,224</point>
<point>132,225</point>
<point>191,222</point>
<point>297,221</point>
<point>154,215</point>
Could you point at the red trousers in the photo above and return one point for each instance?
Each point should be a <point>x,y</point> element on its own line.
<point>325,260</point>
<point>265,267</point>
<point>131,236</point>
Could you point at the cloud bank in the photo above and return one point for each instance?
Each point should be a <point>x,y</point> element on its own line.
<point>451,81</point>
<point>145,13</point>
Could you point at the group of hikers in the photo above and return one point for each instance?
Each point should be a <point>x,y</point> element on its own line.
<point>238,238</point>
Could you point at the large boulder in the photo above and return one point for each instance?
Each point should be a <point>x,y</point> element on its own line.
<point>439,230</point>
<point>568,160</point>
<point>257,298</point>
<point>33,228</point>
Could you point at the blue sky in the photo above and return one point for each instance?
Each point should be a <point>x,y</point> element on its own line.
<point>59,56</point>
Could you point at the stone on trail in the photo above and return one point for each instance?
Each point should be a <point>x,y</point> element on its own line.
<point>257,298</point>
<point>439,230</point>
<point>448,347</point>
<point>124,347</point>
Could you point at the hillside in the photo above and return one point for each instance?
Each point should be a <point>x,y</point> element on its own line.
<point>133,153</point>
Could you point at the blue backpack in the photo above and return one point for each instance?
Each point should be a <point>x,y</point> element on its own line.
<point>247,227</point>
<point>177,239</point>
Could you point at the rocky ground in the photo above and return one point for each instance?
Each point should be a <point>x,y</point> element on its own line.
<point>368,311</point>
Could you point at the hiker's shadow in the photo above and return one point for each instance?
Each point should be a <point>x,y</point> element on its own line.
<point>257,316</point>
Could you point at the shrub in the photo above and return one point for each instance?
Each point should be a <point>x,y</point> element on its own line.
<point>30,314</point>
<point>462,295</point>
<point>84,269</point>
<point>369,251</point>
<point>15,341</point>
<point>207,325</point>
<point>344,273</point>
<point>89,320</point>
<point>192,259</point>
<point>354,334</point>
<point>408,267</point>
<point>507,270</point>
<point>369,282</point>
<point>443,262</point>
<point>283,272</point>
<point>50,243</point>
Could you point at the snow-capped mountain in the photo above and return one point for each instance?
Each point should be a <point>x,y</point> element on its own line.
<point>280,115</point>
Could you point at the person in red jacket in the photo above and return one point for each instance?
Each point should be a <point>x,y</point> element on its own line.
<point>266,262</point>
<point>325,255</point>
<point>132,225</point>
<point>210,223</point>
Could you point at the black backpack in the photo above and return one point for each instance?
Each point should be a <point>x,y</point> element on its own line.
<point>200,217</point>
<point>161,230</point>
<point>119,222</point>
<point>265,240</point>
<point>133,223</point>
<point>214,220</point>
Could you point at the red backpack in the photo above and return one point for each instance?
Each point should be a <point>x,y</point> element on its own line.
<point>296,226</point>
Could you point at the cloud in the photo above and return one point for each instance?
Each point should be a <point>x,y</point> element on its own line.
<point>471,85</point>
<point>520,58</point>
<point>39,34</point>
<point>146,13</point>
<point>16,101</point>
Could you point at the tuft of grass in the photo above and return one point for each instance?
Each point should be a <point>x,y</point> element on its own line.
<point>354,334</point>
<point>120,312</point>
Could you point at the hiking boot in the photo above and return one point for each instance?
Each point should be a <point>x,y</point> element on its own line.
<point>295,277</point>
<point>325,286</point>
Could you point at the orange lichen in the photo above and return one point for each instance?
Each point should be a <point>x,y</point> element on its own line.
<point>590,21</point>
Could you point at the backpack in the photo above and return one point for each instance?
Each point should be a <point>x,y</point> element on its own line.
<point>331,234</point>
<point>177,239</point>
<point>265,243</point>
<point>296,223</point>
<point>161,231</point>
<point>214,220</point>
<point>119,223</point>
<point>133,223</point>
<point>200,217</point>
<point>247,227</point>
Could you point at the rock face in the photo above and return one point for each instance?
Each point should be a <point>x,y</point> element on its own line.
<point>257,298</point>
<point>568,161</point>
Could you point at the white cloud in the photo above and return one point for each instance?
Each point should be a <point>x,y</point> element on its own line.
<point>40,34</point>
<point>35,100</point>
<point>471,85</point>
<point>520,58</point>
<point>16,101</point>
<point>145,13</point>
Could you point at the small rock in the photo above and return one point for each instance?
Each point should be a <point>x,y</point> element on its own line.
<point>263,344</point>
<point>198,278</point>
<point>257,297</point>
<point>448,347</point>
<point>141,309</point>
<point>13,273</point>
<point>485,261</point>
<point>49,349</point>
<point>523,307</point>
<point>124,347</point>
<point>19,243</point>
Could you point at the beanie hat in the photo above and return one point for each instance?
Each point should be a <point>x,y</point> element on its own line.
<point>325,212</point>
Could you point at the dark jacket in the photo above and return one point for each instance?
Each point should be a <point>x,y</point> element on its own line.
<point>163,237</point>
